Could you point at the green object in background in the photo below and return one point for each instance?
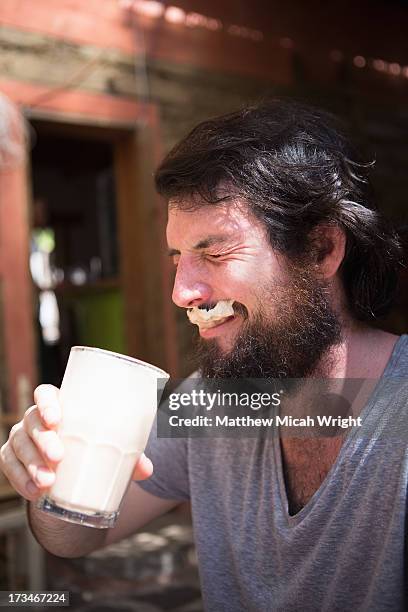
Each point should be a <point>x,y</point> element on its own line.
<point>99,317</point>
<point>44,239</point>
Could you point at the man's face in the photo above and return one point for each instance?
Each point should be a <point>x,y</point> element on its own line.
<point>282,322</point>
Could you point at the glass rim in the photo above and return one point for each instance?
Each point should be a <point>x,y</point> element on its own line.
<point>132,360</point>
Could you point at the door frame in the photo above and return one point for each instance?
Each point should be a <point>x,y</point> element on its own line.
<point>145,272</point>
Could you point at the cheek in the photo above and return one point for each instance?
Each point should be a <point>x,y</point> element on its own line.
<point>236,282</point>
<point>245,281</point>
<point>240,273</point>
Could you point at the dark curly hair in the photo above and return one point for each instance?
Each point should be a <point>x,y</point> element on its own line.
<point>296,169</point>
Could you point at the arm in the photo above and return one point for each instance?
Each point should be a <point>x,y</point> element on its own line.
<point>68,540</point>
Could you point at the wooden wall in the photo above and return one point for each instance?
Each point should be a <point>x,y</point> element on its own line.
<point>210,58</point>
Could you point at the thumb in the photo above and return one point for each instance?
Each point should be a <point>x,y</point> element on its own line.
<point>143,468</point>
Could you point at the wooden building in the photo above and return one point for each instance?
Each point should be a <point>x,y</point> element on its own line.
<point>99,90</point>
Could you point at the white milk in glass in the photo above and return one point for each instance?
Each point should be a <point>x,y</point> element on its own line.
<point>109,402</point>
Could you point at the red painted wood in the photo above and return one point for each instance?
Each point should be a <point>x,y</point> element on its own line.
<point>72,103</point>
<point>110,110</point>
<point>316,28</point>
<point>16,284</point>
<point>219,51</point>
<point>105,24</point>
<point>98,22</point>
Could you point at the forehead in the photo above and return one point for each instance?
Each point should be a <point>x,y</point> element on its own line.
<point>232,221</point>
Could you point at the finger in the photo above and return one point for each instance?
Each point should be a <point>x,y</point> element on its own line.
<point>143,468</point>
<point>46,440</point>
<point>46,398</point>
<point>28,455</point>
<point>17,475</point>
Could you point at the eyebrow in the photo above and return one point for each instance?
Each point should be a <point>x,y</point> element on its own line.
<point>204,244</point>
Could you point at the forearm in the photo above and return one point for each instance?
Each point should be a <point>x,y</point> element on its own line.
<point>61,538</point>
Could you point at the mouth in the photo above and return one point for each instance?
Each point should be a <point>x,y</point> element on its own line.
<point>217,328</point>
<point>213,324</point>
<point>210,316</point>
<point>214,320</point>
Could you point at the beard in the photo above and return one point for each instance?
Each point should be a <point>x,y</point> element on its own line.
<point>290,342</point>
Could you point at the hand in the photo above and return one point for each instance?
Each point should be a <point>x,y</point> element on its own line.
<point>31,454</point>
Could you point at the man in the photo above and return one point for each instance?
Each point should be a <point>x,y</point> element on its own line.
<point>274,233</point>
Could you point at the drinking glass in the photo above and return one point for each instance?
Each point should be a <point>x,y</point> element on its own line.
<point>108,402</point>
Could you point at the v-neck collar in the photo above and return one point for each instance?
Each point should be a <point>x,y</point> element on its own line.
<point>296,519</point>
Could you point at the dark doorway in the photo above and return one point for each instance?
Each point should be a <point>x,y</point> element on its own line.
<point>74,246</point>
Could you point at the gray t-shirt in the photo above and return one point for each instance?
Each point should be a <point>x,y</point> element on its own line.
<point>345,550</point>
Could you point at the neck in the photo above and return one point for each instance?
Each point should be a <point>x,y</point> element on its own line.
<point>362,353</point>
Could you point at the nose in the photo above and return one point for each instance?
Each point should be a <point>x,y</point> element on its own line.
<point>189,290</point>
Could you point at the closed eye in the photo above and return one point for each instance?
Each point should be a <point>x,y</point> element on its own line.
<point>215,256</point>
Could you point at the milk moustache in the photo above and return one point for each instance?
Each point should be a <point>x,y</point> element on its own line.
<point>207,318</point>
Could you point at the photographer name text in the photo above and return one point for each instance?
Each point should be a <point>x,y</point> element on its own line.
<point>276,421</point>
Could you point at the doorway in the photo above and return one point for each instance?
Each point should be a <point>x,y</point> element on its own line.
<point>74,255</point>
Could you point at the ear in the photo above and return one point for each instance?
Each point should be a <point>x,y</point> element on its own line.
<point>328,246</point>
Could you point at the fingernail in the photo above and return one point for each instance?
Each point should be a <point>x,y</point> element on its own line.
<point>51,415</point>
<point>32,488</point>
<point>55,450</point>
<point>45,476</point>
